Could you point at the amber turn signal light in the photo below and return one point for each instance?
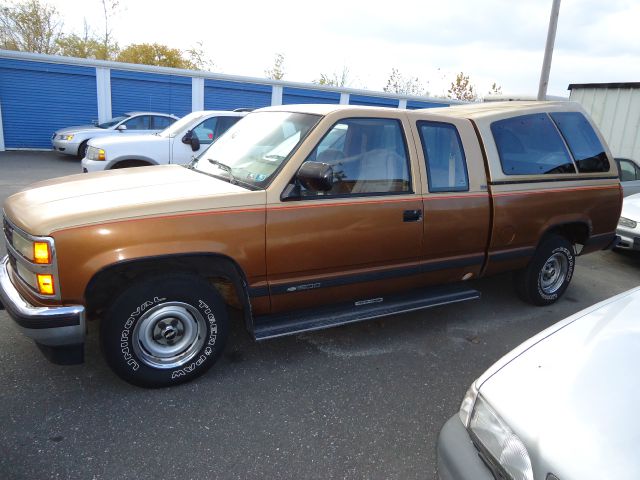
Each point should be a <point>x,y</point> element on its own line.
<point>45,284</point>
<point>41,252</point>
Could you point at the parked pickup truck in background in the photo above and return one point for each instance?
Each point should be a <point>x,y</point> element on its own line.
<point>175,144</point>
<point>304,217</point>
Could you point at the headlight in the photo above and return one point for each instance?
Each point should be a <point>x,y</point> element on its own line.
<point>94,153</point>
<point>66,137</point>
<point>500,442</point>
<point>627,222</point>
<point>466,408</point>
<point>36,252</point>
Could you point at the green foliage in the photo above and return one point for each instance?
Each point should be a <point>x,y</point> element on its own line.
<point>335,80</point>
<point>86,46</point>
<point>154,54</point>
<point>397,83</point>
<point>462,89</point>
<point>277,71</point>
<point>30,26</point>
<point>198,58</point>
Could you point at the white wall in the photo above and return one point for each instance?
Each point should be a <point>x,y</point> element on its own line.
<point>616,112</point>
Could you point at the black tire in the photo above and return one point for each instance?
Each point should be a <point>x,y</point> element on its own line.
<point>164,330</point>
<point>82,150</point>
<point>549,272</point>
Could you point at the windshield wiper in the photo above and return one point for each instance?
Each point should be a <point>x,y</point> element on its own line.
<point>224,167</point>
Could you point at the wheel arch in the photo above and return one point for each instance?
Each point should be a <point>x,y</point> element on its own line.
<point>576,231</point>
<point>221,271</point>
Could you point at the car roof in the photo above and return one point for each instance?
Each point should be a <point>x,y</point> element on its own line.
<point>131,114</point>
<point>470,111</point>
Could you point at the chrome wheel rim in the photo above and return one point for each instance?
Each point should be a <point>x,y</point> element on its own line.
<point>169,335</point>
<point>553,273</point>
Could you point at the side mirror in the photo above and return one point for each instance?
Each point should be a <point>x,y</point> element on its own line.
<point>186,139</point>
<point>121,128</point>
<point>316,176</point>
<point>195,143</point>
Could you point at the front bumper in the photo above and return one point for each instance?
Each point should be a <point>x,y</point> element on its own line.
<point>629,238</point>
<point>93,165</point>
<point>65,146</point>
<point>48,326</point>
<point>458,458</point>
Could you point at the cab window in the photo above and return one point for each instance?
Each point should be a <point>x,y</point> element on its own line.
<point>628,171</point>
<point>205,130</point>
<point>531,145</point>
<point>586,148</point>
<point>368,156</point>
<point>444,157</point>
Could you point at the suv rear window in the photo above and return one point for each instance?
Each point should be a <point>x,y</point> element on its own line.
<point>583,142</point>
<point>531,145</point>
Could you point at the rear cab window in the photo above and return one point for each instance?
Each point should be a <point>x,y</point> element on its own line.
<point>531,145</point>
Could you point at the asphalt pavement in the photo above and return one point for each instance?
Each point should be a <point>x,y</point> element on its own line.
<point>364,401</point>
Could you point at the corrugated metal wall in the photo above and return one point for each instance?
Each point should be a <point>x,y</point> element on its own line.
<point>616,112</point>
<point>131,91</point>
<point>414,105</point>
<point>221,95</point>
<point>39,98</point>
<point>42,93</point>
<point>298,95</point>
<point>373,101</point>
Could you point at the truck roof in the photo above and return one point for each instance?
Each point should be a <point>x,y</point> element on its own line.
<point>471,110</point>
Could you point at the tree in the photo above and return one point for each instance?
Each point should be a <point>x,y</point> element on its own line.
<point>462,89</point>
<point>334,79</point>
<point>277,71</point>
<point>397,83</point>
<point>198,58</point>
<point>30,26</point>
<point>154,54</point>
<point>109,8</point>
<point>495,89</point>
<point>86,46</point>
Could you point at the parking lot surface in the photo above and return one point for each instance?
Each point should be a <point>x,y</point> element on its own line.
<point>364,401</point>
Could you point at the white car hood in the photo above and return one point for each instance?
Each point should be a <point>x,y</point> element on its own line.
<point>631,207</point>
<point>572,396</point>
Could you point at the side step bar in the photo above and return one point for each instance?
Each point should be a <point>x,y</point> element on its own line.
<point>280,325</point>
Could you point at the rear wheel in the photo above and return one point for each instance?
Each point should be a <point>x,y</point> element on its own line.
<point>164,330</point>
<point>549,272</point>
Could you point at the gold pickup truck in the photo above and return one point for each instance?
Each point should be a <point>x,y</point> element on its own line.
<point>304,217</point>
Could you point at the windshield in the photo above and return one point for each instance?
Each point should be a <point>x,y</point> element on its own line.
<point>111,123</point>
<point>251,151</point>
<point>173,129</point>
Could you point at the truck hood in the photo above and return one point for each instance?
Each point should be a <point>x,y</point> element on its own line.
<point>572,395</point>
<point>101,197</point>
<point>118,141</point>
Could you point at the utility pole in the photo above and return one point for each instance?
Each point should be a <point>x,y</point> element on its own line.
<point>548,50</point>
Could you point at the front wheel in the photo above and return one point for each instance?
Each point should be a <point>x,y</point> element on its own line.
<point>549,272</point>
<point>82,150</point>
<point>164,330</point>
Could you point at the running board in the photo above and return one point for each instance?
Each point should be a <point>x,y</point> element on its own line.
<point>280,325</point>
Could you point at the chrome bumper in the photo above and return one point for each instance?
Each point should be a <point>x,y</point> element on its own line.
<point>48,326</point>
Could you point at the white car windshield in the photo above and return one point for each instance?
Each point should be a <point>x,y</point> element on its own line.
<point>179,125</point>
<point>252,150</point>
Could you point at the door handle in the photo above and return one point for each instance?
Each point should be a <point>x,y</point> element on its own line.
<point>412,215</point>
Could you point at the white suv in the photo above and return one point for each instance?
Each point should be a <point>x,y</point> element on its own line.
<point>175,144</point>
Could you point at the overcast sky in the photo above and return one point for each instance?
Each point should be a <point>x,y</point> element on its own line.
<point>490,40</point>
